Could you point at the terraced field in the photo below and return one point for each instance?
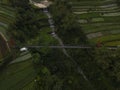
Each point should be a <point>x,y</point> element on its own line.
<point>20,72</point>
<point>99,19</point>
<point>17,76</point>
<point>4,1</point>
<point>7,17</point>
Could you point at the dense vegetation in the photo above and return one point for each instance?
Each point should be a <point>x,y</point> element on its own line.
<point>101,65</point>
<point>27,23</point>
<point>51,69</point>
<point>83,58</point>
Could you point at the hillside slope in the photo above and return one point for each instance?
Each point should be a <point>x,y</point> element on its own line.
<point>100,20</point>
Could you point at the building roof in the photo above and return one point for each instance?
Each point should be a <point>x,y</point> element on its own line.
<point>42,4</point>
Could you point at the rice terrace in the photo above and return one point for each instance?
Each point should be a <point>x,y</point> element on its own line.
<point>99,19</point>
<point>59,45</point>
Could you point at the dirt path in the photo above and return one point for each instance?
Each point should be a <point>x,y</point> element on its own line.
<point>52,26</point>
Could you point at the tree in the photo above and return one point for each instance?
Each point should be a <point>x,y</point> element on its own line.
<point>109,62</point>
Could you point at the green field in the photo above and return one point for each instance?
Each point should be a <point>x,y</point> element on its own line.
<point>17,76</point>
<point>100,20</point>
<point>20,72</point>
<point>7,17</point>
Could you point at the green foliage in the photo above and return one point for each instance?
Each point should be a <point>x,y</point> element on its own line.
<point>19,3</point>
<point>70,32</point>
<point>27,23</point>
<point>54,70</point>
<point>109,62</point>
<point>66,23</point>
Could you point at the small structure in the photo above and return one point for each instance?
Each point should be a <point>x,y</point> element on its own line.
<point>4,47</point>
<point>41,4</point>
<point>23,49</point>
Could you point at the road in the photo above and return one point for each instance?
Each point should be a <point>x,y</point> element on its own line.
<point>63,47</point>
<point>52,26</point>
<point>68,47</point>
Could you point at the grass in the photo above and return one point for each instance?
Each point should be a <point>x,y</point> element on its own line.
<point>46,36</point>
<point>13,78</point>
<point>113,43</point>
<point>89,15</point>
<point>30,86</point>
<point>91,3</point>
<point>106,38</point>
<point>22,58</point>
<point>5,1</point>
<point>7,9</point>
<point>103,29</point>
